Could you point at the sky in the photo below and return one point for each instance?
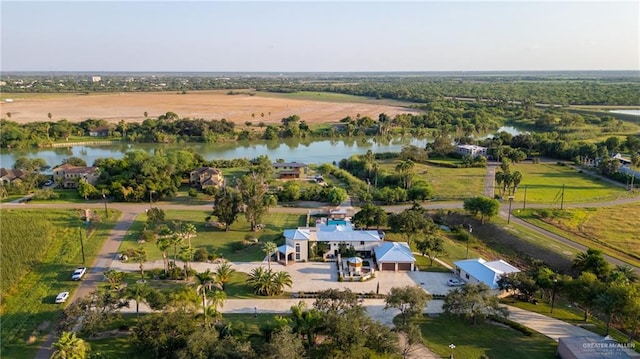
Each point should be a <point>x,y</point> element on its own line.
<point>305,36</point>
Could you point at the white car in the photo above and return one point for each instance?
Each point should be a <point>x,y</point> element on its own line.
<point>455,282</point>
<point>62,297</point>
<point>79,273</point>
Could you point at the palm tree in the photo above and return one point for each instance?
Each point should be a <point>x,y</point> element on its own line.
<point>405,169</point>
<point>114,278</point>
<point>279,280</point>
<point>140,256</point>
<point>175,241</point>
<point>205,283</point>
<point>516,178</point>
<point>306,322</point>
<point>186,254</point>
<point>139,293</point>
<point>223,274</point>
<point>70,346</point>
<point>260,280</point>
<point>189,231</point>
<point>269,248</point>
<point>164,244</point>
<point>217,301</point>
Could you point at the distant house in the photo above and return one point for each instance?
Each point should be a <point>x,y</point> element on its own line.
<point>471,150</point>
<point>68,175</point>
<point>102,131</point>
<point>204,177</point>
<point>480,271</point>
<point>9,176</point>
<point>292,170</point>
<point>96,78</point>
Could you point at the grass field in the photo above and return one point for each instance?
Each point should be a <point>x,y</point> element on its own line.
<point>215,239</point>
<point>611,229</point>
<point>333,97</point>
<point>473,341</point>
<point>544,183</point>
<point>447,183</point>
<point>28,309</point>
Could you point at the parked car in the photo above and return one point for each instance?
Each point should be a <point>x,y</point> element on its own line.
<point>48,183</point>
<point>455,282</point>
<point>79,273</point>
<point>62,297</point>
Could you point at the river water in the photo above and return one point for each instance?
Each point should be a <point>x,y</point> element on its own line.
<point>316,151</point>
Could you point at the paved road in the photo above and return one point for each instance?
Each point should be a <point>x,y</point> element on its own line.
<point>94,273</point>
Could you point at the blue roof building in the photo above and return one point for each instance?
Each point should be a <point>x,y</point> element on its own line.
<point>480,271</point>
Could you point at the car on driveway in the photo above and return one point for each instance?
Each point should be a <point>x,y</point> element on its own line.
<point>62,297</point>
<point>455,282</point>
<point>48,183</point>
<point>79,273</point>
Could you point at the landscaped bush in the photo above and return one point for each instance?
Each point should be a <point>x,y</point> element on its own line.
<point>201,255</point>
<point>192,192</point>
<point>513,325</point>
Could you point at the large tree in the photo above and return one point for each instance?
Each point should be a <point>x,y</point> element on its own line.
<point>253,190</point>
<point>473,301</point>
<point>227,206</point>
<point>410,300</point>
<point>370,215</point>
<point>411,222</point>
<point>487,207</point>
<point>431,246</point>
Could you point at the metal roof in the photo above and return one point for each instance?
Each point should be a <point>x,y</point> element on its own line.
<point>394,252</point>
<point>486,272</point>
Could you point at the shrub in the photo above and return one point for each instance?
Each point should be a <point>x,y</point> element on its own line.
<point>192,192</point>
<point>201,255</point>
<point>237,246</point>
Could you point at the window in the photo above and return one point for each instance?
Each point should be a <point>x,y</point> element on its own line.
<point>466,275</point>
<point>362,243</point>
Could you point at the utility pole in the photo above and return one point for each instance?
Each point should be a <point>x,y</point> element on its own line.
<point>468,240</point>
<point>524,204</point>
<point>562,198</point>
<point>106,212</point>
<point>509,215</point>
<point>81,244</point>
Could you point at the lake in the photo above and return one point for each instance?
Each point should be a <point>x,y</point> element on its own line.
<point>627,112</point>
<point>308,151</point>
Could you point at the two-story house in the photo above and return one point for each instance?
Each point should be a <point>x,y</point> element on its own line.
<point>204,177</point>
<point>291,170</point>
<point>68,175</point>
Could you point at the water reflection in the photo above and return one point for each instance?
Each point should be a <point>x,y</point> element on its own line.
<point>299,150</point>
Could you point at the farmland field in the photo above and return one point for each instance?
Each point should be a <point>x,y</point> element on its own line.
<point>209,105</point>
<point>28,310</point>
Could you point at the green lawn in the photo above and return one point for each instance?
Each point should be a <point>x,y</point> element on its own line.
<point>28,309</point>
<point>544,183</point>
<point>215,239</point>
<point>473,341</point>
<point>447,183</point>
<point>66,196</point>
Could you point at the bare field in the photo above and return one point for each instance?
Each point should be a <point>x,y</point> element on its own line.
<point>208,105</point>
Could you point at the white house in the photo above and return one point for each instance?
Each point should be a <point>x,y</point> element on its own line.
<point>471,150</point>
<point>480,271</point>
<point>328,236</point>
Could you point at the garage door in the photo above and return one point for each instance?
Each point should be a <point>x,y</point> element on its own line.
<point>388,266</point>
<point>404,266</point>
